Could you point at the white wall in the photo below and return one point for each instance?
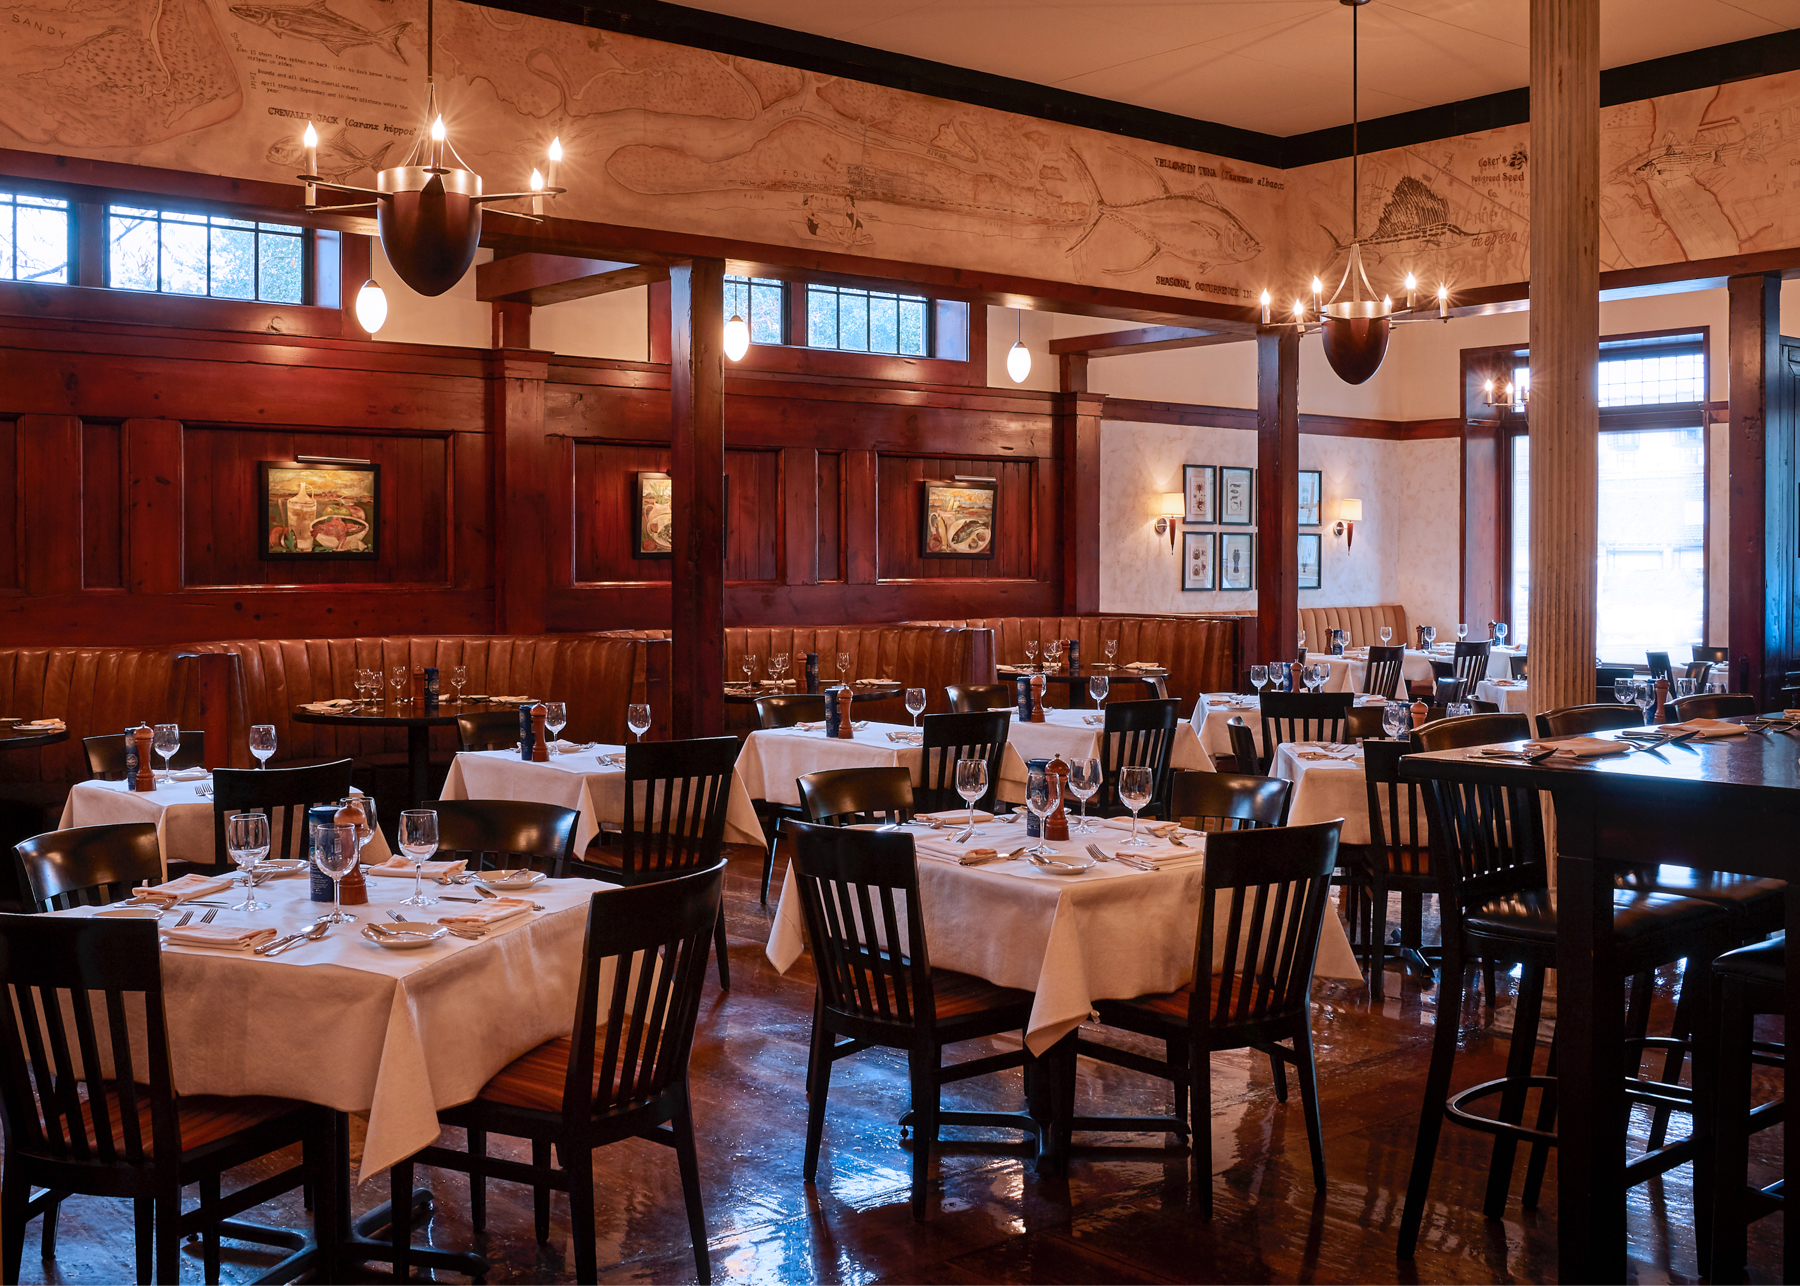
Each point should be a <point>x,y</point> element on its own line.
<point>454,317</point>
<point>615,325</point>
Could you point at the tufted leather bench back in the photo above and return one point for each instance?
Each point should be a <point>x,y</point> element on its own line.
<point>1364,624</point>
<point>92,689</point>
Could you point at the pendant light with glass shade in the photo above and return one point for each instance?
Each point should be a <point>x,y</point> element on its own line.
<point>1018,357</point>
<point>737,338</point>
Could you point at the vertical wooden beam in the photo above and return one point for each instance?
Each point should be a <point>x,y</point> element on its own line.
<point>512,325</point>
<point>521,488</point>
<point>697,465</point>
<point>1078,452</point>
<point>1753,354</point>
<point>656,304</point>
<point>1277,491</point>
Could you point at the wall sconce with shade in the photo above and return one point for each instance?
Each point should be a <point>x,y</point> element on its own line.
<point>1350,513</point>
<point>1172,508</point>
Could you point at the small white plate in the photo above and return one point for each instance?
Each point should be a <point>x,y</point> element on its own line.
<point>129,912</point>
<point>405,937</point>
<point>1056,866</point>
<point>511,880</point>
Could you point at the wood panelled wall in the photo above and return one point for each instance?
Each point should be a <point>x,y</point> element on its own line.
<point>128,474</point>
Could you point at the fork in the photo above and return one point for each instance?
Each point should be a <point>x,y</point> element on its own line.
<point>208,917</point>
<point>185,917</point>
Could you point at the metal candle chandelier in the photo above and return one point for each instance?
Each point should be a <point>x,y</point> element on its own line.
<point>428,208</point>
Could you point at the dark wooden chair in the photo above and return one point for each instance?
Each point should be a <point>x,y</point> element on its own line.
<point>1580,721</point>
<point>968,697</point>
<point>1469,664</point>
<point>1604,677</point>
<point>1712,655</point>
<point>493,730</point>
<point>79,1122</point>
<point>1363,722</point>
<point>1398,861</point>
<point>1381,676</point>
<point>1273,884</point>
<point>489,833</point>
<point>676,793</point>
<point>786,709</point>
<point>283,793</point>
<point>1303,716</point>
<point>1698,672</point>
<point>1487,852</point>
<point>847,796</point>
<point>1243,746</point>
<point>1136,734</point>
<point>857,890</point>
<point>1223,801</point>
<point>1750,981</point>
<point>1660,668</point>
<point>623,1074</point>
<point>1714,705</point>
<point>106,754</point>
<point>951,737</point>
<point>1516,664</point>
<point>88,865</point>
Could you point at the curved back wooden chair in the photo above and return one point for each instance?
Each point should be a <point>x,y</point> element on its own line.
<point>1469,665</point>
<point>1472,730</point>
<point>969,697</point>
<point>1516,663</point>
<point>1224,801</point>
<point>846,796</point>
<point>1712,655</point>
<point>1243,746</point>
<point>643,967</point>
<point>1660,668</point>
<point>284,794</point>
<point>489,833</point>
<point>1134,734</point>
<point>1381,676</point>
<point>88,865</point>
<point>1715,705</point>
<point>948,738</point>
<point>1580,721</point>
<point>1699,672</point>
<point>1363,722</point>
<point>106,754</point>
<point>857,889</point>
<point>1303,716</point>
<point>786,709</point>
<point>1399,861</point>
<point>492,730</point>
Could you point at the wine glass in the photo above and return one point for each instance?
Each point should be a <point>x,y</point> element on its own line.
<point>1031,650</point>
<point>971,784</point>
<point>1134,793</point>
<point>637,718</point>
<point>1042,794</point>
<point>365,683</point>
<point>1458,709</point>
<point>459,675</point>
<point>262,743</point>
<point>843,667</point>
<point>1644,694</point>
<point>397,680</point>
<point>1500,633</point>
<point>334,850</point>
<point>1623,690</point>
<point>168,741</point>
<point>1259,678</point>
<point>419,840</point>
<point>749,668</point>
<point>1396,719</point>
<point>1085,776</point>
<point>915,704</point>
<point>1387,634</point>
<point>1112,650</point>
<point>1684,688</point>
<point>778,666</point>
<point>365,829</point>
<point>1428,633</point>
<point>1462,631</point>
<point>1301,644</point>
<point>1098,686</point>
<point>556,718</point>
<point>247,840</point>
<point>1053,653</point>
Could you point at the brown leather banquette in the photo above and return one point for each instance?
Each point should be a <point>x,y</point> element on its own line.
<point>1364,624</point>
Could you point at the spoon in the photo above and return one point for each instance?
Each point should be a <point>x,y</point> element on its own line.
<point>312,934</point>
<point>489,893</point>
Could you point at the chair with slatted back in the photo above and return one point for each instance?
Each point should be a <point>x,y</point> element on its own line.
<point>786,709</point>
<point>1516,664</point>
<point>1605,676</point>
<point>1362,722</point>
<point>1581,721</point>
<point>1137,734</point>
<point>88,865</point>
<point>859,894</point>
<point>1712,655</point>
<point>106,754</point>
<point>1263,902</point>
<point>856,796</point>
<point>948,738</point>
<point>1243,746</point>
<point>1381,676</point>
<point>284,794</point>
<point>967,697</point>
<point>1398,862</point>
<point>78,1121</point>
<point>1225,801</point>
<point>1469,664</point>
<point>492,730</point>
<point>1660,667</point>
<point>1698,672</point>
<point>1715,705</point>
<point>623,1073</point>
<point>676,793</point>
<point>1303,716</point>
<point>501,834</point>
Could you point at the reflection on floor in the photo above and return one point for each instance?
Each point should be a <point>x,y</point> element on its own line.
<point>1124,1216</point>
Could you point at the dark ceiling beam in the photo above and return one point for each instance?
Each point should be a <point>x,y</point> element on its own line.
<point>541,279</point>
<point>1149,339</point>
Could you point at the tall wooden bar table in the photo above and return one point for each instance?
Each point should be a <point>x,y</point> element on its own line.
<point>418,724</point>
<point>1729,805</point>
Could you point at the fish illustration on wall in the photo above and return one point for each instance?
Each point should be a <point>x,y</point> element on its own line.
<point>316,21</point>
<point>339,158</point>
<point>1190,226</point>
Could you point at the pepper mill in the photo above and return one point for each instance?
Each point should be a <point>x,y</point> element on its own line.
<point>1038,684</point>
<point>846,730</point>
<point>540,748</point>
<point>418,687</point>
<point>144,738</point>
<point>1056,822</point>
<point>1296,677</point>
<point>1420,713</point>
<point>1662,699</point>
<point>353,889</point>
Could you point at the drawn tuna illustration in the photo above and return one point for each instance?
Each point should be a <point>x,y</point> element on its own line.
<point>339,159</point>
<point>1190,226</point>
<point>316,21</point>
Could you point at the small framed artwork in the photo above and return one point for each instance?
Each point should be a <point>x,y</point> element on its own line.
<point>1237,565</point>
<point>653,507</point>
<point>958,519</point>
<point>1309,560</point>
<point>1198,481</point>
<point>314,512</point>
<point>1199,549</point>
<point>1237,496</point>
<point>1312,487</point>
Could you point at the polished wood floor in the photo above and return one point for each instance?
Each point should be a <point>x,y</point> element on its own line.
<point>1120,1216</point>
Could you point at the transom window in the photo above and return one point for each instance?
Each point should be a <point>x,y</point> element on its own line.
<point>34,238</point>
<point>174,253</point>
<point>868,321</point>
<point>762,302</point>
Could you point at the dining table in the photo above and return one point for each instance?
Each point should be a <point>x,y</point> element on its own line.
<point>1513,696</point>
<point>418,722</point>
<point>1329,782</point>
<point>21,737</point>
<point>745,694</point>
<point>1077,681</point>
<point>1726,804</point>
<point>1213,711</point>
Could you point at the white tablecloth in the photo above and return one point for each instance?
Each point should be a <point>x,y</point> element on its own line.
<point>773,758</point>
<point>184,818</point>
<point>1220,708</point>
<point>1324,789</point>
<point>1511,696</point>
<point>1111,933</point>
<point>344,1023</point>
<point>1347,670</point>
<point>1499,659</point>
<point>581,782</point>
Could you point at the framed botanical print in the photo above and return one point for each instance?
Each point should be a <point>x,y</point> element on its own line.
<point>1310,553</point>
<point>313,512</point>
<point>1198,483</point>
<point>1199,549</point>
<point>958,519</point>
<point>1237,564</point>
<point>1312,488</point>
<point>653,528</point>
<point>1237,496</point>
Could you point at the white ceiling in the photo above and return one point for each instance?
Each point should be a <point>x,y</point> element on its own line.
<point>1278,66</point>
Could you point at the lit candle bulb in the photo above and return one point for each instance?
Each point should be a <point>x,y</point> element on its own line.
<point>437,141</point>
<point>1299,312</point>
<point>311,142</point>
<point>1412,286</point>
<point>1387,304</point>
<point>1444,302</point>
<point>537,187</point>
<point>1318,295</point>
<point>1265,307</point>
<point>555,159</point>
<point>1487,391</point>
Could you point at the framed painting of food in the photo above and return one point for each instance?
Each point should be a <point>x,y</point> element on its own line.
<point>959,519</point>
<point>314,511</point>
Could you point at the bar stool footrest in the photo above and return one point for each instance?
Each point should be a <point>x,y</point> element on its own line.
<point>1454,1109</point>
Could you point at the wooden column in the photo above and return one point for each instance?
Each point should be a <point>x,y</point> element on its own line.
<point>1277,492</point>
<point>1754,354</point>
<point>1078,448</point>
<point>521,490</point>
<point>697,465</point>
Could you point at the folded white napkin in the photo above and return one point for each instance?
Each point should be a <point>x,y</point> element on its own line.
<point>492,912</point>
<point>1150,826</point>
<point>1706,729</point>
<point>401,864</point>
<point>181,890</point>
<point>218,937</point>
<point>571,747</point>
<point>1580,747</point>
<point>43,725</point>
<point>954,815</point>
<point>1160,858</point>
<point>336,703</point>
<point>1143,665</point>
<point>513,700</point>
<point>804,726</point>
<point>906,738</point>
<point>1326,750</point>
<point>190,774</point>
<point>944,851</point>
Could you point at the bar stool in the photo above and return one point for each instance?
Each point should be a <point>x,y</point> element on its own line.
<point>1747,982</point>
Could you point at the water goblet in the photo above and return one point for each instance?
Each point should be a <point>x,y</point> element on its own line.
<point>1462,631</point>
<point>1684,688</point>
<point>556,718</point>
<point>334,851</point>
<point>1259,678</point>
<point>1644,694</point>
<point>1387,634</point>
<point>1085,776</point>
<point>459,675</point>
<point>749,668</point>
<point>419,840</point>
<point>397,680</point>
<point>1042,794</point>
<point>1321,674</point>
<point>1098,686</point>
<point>365,829</point>
<point>247,840</point>
<point>778,666</point>
<point>262,743</point>
<point>168,741</point>
<point>1396,719</point>
<point>362,685</point>
<point>637,718</point>
<point>1429,634</point>
<point>1623,690</point>
<point>971,784</point>
<point>1134,792</point>
<point>1500,633</point>
<point>1112,650</point>
<point>1031,651</point>
<point>843,667</point>
<point>1457,709</point>
<point>1053,653</point>
<point>915,704</point>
